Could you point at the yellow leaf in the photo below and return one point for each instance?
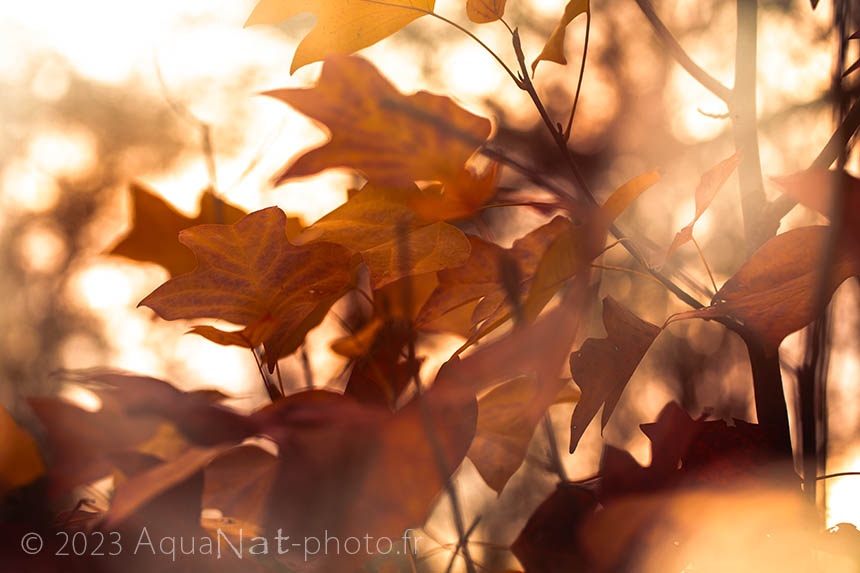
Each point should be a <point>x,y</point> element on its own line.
<point>554,48</point>
<point>483,11</point>
<point>343,26</point>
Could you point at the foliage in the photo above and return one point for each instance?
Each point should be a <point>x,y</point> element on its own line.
<point>376,456</point>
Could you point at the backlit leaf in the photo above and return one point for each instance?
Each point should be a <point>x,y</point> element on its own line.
<point>392,139</point>
<point>774,293</point>
<point>20,461</point>
<point>603,366</point>
<point>250,273</point>
<point>709,185</point>
<point>342,26</point>
<point>553,51</point>
<point>483,11</point>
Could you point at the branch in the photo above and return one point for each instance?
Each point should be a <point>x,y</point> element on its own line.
<point>676,51</point>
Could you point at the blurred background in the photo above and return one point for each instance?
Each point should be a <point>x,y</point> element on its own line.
<point>95,94</point>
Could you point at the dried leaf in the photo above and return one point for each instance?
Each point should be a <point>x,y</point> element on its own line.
<point>392,139</point>
<point>553,51</point>
<point>248,273</point>
<point>505,428</point>
<point>392,240</point>
<point>602,367</point>
<point>156,225</point>
<point>484,11</point>
<point>342,26</point>
<point>709,185</point>
<point>238,483</point>
<point>774,293</point>
<point>457,199</point>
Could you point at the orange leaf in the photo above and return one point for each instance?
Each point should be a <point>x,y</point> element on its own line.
<point>342,26</point>
<point>392,240</point>
<point>20,461</point>
<point>249,272</point>
<point>484,11</point>
<point>505,428</point>
<point>155,226</point>
<point>602,367</point>
<point>392,139</point>
<point>458,199</point>
<point>774,293</point>
<point>553,51</point>
<point>709,185</point>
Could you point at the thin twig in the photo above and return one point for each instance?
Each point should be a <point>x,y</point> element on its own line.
<point>704,262</point>
<point>837,475</point>
<point>676,51</point>
<point>581,73</point>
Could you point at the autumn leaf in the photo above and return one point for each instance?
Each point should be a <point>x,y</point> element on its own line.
<point>478,279</point>
<point>553,51</point>
<point>238,482</point>
<point>156,225</point>
<point>709,185</point>
<point>775,292</point>
<point>602,367</point>
<point>392,139</point>
<point>816,189</point>
<point>342,26</point>
<point>20,461</point>
<point>248,273</point>
<point>505,428</point>
<point>459,198</point>
<point>575,247</point>
<point>484,11</point>
<point>392,240</point>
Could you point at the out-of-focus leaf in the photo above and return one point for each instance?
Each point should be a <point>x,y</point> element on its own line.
<point>392,240</point>
<point>20,461</point>
<point>603,366</point>
<point>484,11</point>
<point>343,26</point>
<point>457,199</point>
<point>156,225</point>
<point>392,139</point>
<point>553,51</point>
<point>505,428</point>
<point>709,185</point>
<point>238,483</point>
<point>249,274</point>
<point>575,247</point>
<point>549,542</point>
<point>774,293</point>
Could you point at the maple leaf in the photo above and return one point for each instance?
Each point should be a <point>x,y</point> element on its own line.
<point>479,279</point>
<point>775,292</point>
<point>393,241</point>
<point>343,26</point>
<point>553,50</point>
<point>602,367</point>
<point>392,139</point>
<point>155,226</point>
<point>250,274</point>
<point>457,199</point>
<point>484,11</point>
<point>709,185</point>
<point>505,428</point>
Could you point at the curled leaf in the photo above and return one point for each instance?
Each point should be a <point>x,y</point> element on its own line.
<point>553,51</point>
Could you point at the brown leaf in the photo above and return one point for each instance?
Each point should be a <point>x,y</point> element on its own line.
<point>484,11</point>
<point>342,26</point>
<point>459,198</point>
<point>392,139</point>
<point>392,240</point>
<point>238,483</point>
<point>249,272</point>
<point>774,293</point>
<point>155,226</point>
<point>505,428</point>
<point>553,51</point>
<point>709,185</point>
<point>602,367</point>
<point>20,461</point>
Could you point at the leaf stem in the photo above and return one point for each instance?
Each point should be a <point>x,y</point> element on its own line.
<point>704,262</point>
<point>581,73</point>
